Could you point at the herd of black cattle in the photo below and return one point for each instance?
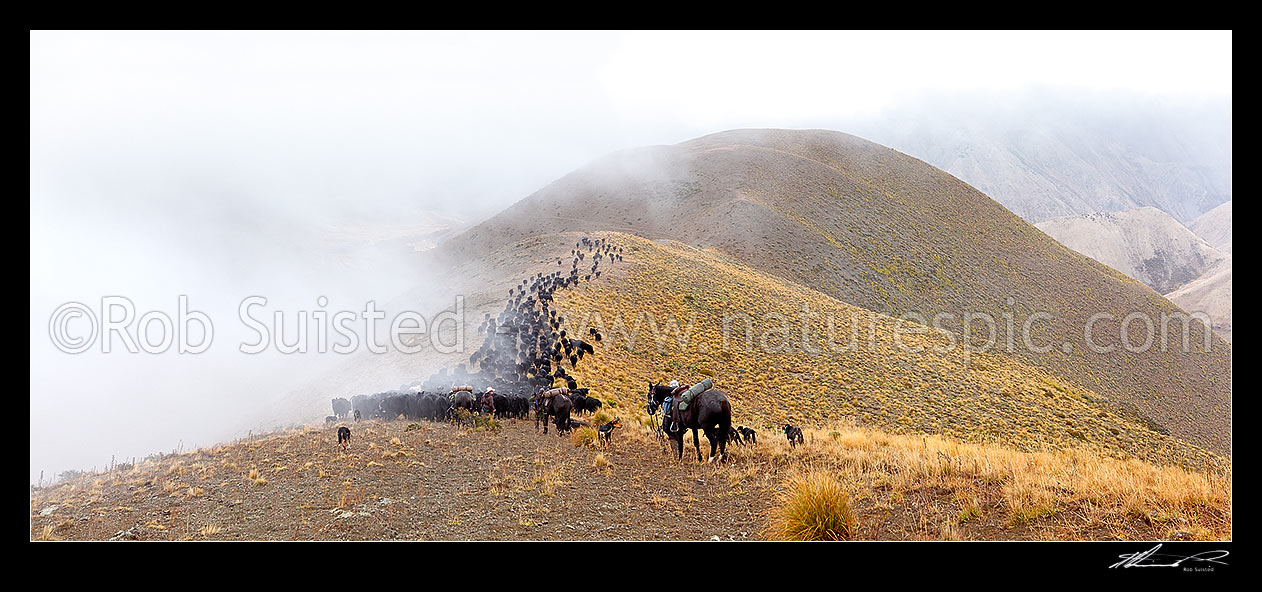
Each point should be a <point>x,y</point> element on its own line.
<point>442,407</point>
<point>522,356</point>
<point>524,353</point>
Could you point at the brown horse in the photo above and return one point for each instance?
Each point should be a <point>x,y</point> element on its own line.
<point>710,411</point>
<point>553,402</point>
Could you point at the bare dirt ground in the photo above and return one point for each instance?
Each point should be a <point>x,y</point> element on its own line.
<point>443,482</point>
<point>436,482</point>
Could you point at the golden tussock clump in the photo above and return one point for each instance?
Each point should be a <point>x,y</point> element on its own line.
<point>584,436</point>
<point>811,507</point>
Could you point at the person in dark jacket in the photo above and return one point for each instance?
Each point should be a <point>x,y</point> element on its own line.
<point>488,401</point>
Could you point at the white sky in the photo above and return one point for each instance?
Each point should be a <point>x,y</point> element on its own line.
<point>792,76</point>
<point>401,115</point>
<point>166,163</point>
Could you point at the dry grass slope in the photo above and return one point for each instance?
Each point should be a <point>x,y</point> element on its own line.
<point>663,316</point>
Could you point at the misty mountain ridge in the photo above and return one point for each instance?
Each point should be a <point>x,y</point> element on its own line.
<point>1145,243</point>
<point>1157,250</point>
<point>1215,227</point>
<point>1049,154</point>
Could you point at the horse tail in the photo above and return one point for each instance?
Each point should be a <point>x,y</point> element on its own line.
<point>725,417</point>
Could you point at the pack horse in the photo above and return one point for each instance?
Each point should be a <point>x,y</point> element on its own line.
<point>708,411</point>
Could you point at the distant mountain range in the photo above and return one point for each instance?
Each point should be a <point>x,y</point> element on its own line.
<point>1069,162</point>
<point>1144,243</point>
<point>1150,246</point>
<point>1211,294</point>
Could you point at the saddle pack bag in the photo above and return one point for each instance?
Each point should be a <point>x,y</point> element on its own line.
<point>548,394</point>
<point>686,398</point>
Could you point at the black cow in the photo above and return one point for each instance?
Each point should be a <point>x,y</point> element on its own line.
<point>581,347</point>
<point>424,406</point>
<point>579,401</point>
<point>392,406</point>
<point>341,407</point>
<point>439,407</point>
<point>363,406</point>
<point>592,404</point>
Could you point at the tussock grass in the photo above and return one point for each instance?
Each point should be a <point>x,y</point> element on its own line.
<point>487,423</point>
<point>584,436</point>
<point>500,481</point>
<point>935,487</point>
<point>1032,485</point>
<point>547,481</point>
<point>351,496</point>
<point>48,533</point>
<point>812,507</point>
<point>970,510</point>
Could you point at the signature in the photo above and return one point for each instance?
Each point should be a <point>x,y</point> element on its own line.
<point>1151,557</point>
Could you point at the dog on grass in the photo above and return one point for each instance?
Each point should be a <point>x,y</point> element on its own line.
<point>794,434</point>
<point>344,437</point>
<point>606,431</point>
